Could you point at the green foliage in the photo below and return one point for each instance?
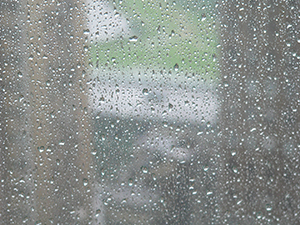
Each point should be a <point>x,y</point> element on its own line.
<point>164,35</point>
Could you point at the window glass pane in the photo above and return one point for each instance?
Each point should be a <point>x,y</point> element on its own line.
<point>154,75</point>
<point>149,112</point>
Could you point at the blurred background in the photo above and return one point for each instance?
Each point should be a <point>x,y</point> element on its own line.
<point>149,112</point>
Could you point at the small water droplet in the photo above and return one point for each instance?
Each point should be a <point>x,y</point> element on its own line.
<point>130,182</point>
<point>87,31</point>
<point>62,142</point>
<point>98,211</point>
<point>85,182</point>
<point>268,207</point>
<point>20,74</point>
<point>234,169</point>
<point>154,176</point>
<point>41,149</point>
<point>52,114</point>
<point>94,152</point>
<point>258,215</point>
<point>205,168</point>
<point>109,199</point>
<point>145,91</point>
<point>133,39</point>
<point>144,169</point>
<point>165,123</point>
<point>176,67</point>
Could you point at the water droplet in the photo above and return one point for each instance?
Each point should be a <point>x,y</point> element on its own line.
<point>234,169</point>
<point>154,176</point>
<point>144,169</point>
<point>109,199</point>
<point>94,152</point>
<point>20,74</point>
<point>85,182</point>
<point>205,168</point>
<point>145,91</point>
<point>62,142</point>
<point>268,207</point>
<point>258,215</point>
<point>130,182</point>
<point>41,149</point>
<point>165,123</point>
<point>133,39</point>
<point>98,211</point>
<point>176,67</point>
<point>87,31</point>
<point>52,114</point>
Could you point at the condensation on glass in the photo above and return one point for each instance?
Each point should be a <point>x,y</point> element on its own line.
<point>149,112</point>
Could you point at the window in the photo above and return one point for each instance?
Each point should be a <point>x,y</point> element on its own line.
<point>149,112</point>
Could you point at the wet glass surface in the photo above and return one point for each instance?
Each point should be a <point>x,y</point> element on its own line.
<point>149,112</point>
